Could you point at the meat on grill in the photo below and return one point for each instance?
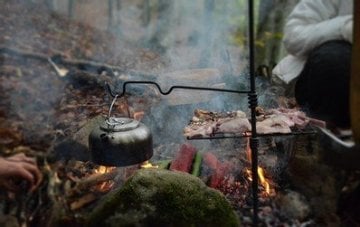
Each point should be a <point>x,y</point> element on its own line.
<point>280,120</point>
<point>200,130</point>
<point>274,124</point>
<point>206,123</point>
<point>233,125</point>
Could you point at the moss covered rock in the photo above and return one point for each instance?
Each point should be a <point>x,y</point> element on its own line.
<point>164,198</point>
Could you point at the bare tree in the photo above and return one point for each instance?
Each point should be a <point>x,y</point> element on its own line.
<point>209,7</point>
<point>146,16</point>
<point>163,23</point>
<point>71,8</point>
<point>271,20</point>
<point>50,4</point>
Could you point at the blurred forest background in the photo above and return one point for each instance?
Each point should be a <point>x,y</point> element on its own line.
<point>214,27</point>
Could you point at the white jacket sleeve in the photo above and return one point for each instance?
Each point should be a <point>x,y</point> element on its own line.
<point>313,22</point>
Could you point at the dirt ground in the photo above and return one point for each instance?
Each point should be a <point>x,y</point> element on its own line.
<point>37,105</point>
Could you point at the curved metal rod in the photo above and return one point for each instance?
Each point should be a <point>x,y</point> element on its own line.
<point>170,90</point>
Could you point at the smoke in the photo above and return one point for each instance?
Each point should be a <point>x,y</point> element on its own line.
<point>203,38</point>
<point>194,35</point>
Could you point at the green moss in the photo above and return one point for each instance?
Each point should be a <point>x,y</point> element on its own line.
<point>162,197</point>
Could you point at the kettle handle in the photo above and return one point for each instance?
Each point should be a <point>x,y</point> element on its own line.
<point>111,106</point>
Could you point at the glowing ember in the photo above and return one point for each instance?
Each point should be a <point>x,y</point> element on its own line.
<point>104,169</point>
<point>147,164</point>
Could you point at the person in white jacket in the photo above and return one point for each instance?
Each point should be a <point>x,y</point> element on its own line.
<point>318,38</point>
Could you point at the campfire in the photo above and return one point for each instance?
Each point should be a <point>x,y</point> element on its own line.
<point>265,183</point>
<point>104,186</point>
<point>201,127</point>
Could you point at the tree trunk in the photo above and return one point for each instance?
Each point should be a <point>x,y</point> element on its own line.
<point>271,21</point>
<point>146,16</point>
<point>111,15</point>
<point>50,4</point>
<point>164,11</point>
<point>71,8</point>
<point>209,7</point>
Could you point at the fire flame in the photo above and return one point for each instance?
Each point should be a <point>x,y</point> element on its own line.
<point>147,164</point>
<point>106,185</point>
<point>261,173</point>
<point>104,169</point>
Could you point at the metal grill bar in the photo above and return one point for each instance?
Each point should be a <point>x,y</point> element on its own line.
<point>234,136</point>
<point>113,94</point>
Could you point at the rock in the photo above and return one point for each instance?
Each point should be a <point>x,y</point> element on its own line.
<point>320,183</point>
<point>154,197</point>
<point>293,205</point>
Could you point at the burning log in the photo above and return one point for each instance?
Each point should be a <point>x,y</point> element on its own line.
<point>93,180</point>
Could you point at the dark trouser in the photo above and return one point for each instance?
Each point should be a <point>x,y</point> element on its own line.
<point>322,88</point>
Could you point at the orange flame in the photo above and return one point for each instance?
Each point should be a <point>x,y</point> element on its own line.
<point>104,186</point>
<point>147,164</point>
<point>261,173</point>
<point>263,180</point>
<point>104,169</point>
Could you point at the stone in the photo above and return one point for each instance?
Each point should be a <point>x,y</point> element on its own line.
<point>320,183</point>
<point>293,205</point>
<point>153,197</point>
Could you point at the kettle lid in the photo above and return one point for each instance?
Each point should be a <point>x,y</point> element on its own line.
<point>119,124</point>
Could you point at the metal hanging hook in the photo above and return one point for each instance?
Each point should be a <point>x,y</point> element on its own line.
<point>112,105</point>
<point>113,94</point>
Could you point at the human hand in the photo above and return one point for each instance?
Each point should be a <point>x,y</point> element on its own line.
<point>19,171</point>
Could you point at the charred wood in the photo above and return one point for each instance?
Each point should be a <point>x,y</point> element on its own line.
<point>83,65</point>
<point>92,181</point>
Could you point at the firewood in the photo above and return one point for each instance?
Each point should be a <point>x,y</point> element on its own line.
<point>83,65</point>
<point>92,180</point>
<point>82,201</point>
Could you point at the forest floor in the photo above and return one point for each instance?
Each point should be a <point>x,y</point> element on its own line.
<point>36,104</point>
<point>39,108</point>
